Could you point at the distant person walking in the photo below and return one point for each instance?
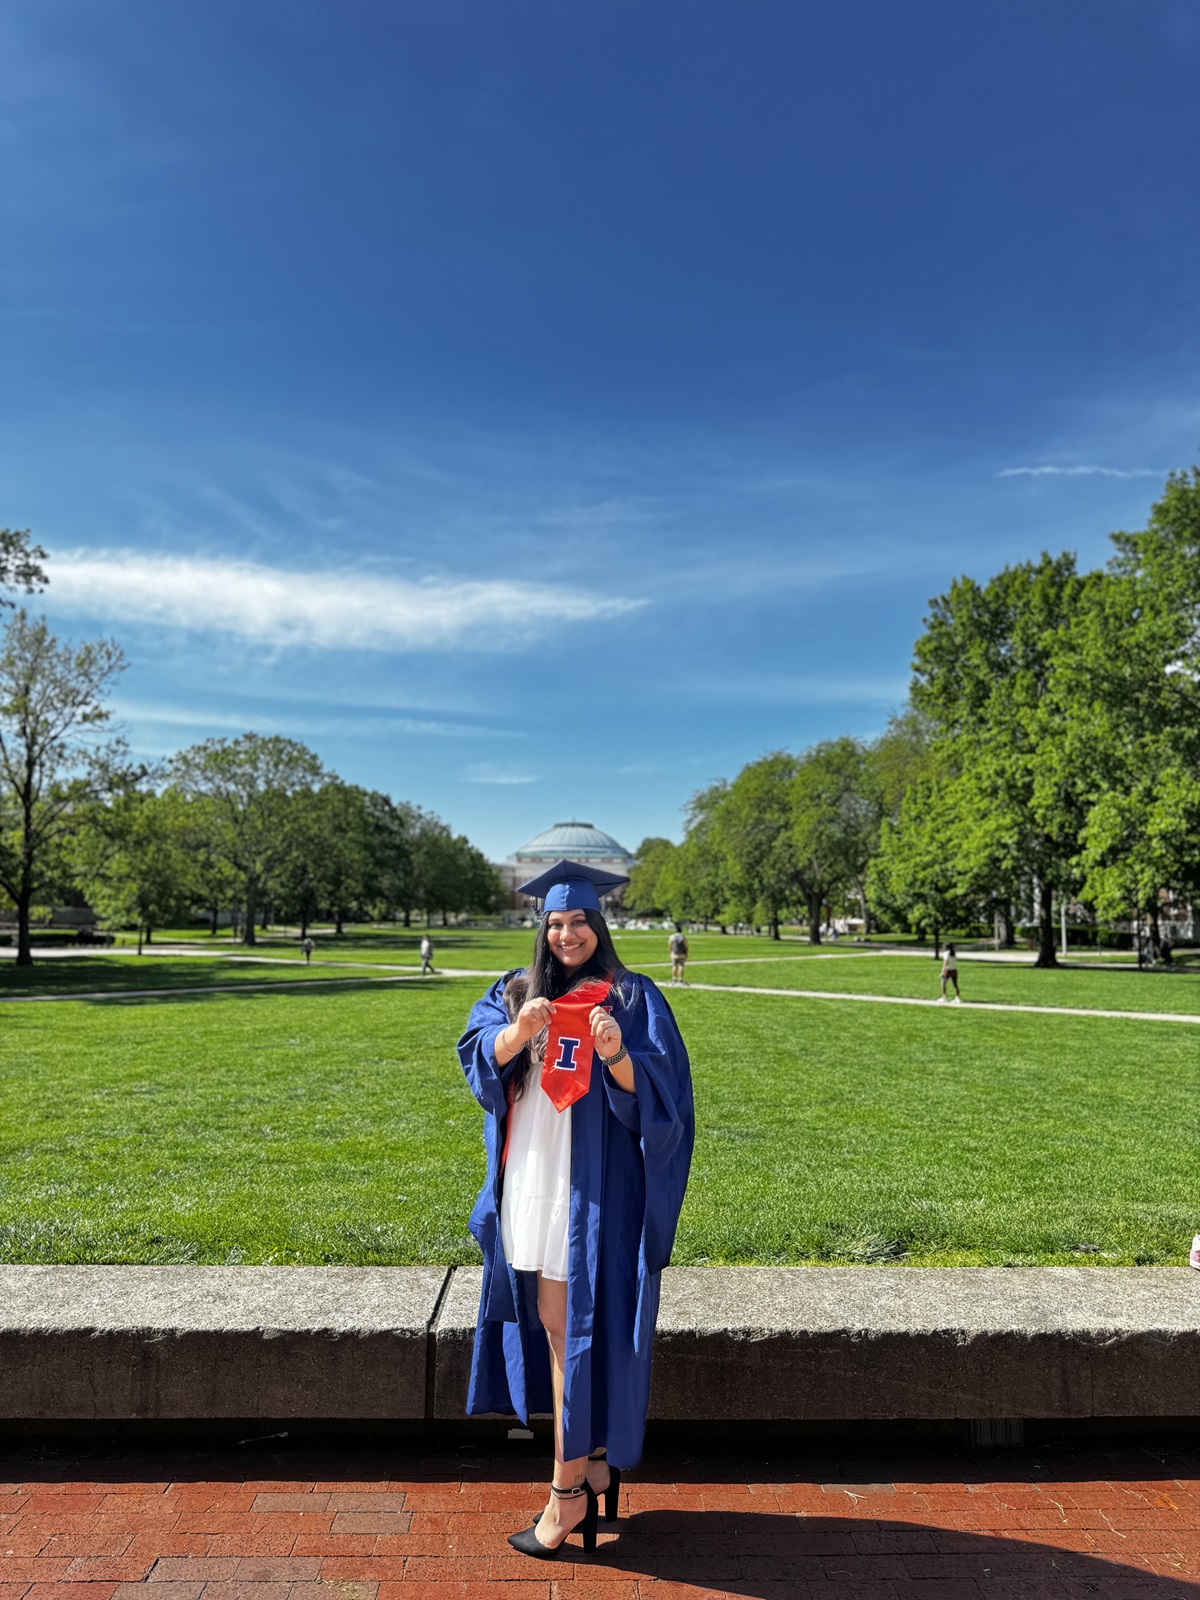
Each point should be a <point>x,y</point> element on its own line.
<point>950,975</point>
<point>308,946</point>
<point>426,955</point>
<point>677,947</point>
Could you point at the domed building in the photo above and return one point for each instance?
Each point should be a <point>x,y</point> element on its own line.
<point>571,841</point>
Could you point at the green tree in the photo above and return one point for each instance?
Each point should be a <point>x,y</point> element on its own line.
<point>450,874</point>
<point>753,830</point>
<point>835,825</point>
<point>299,882</point>
<point>913,874</point>
<point>642,896</point>
<point>700,859</point>
<point>1136,690</point>
<point>251,783</point>
<point>483,891</point>
<point>131,858</point>
<point>392,830</point>
<point>344,827</point>
<point>52,762</point>
<point>214,878</point>
<point>987,677</point>
<point>20,563</point>
<point>894,762</point>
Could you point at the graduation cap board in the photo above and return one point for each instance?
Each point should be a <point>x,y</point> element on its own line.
<point>571,886</point>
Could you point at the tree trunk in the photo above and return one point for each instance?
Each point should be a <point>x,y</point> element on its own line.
<point>215,919</point>
<point>1047,955</point>
<point>1010,930</point>
<point>149,934</point>
<point>140,932</point>
<point>24,943</point>
<point>407,917</point>
<point>250,916</point>
<point>814,919</point>
<point>937,941</point>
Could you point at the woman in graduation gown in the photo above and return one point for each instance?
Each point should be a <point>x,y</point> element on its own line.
<point>577,1216</point>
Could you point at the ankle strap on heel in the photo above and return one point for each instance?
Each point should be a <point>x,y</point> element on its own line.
<point>569,1494</point>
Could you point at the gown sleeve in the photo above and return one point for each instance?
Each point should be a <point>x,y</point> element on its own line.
<point>659,1112</point>
<point>487,1080</point>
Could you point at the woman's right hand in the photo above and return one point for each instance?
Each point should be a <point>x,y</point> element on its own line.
<point>533,1016</point>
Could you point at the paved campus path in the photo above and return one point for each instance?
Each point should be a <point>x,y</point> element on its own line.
<point>942,1005</point>
<point>1116,1521</point>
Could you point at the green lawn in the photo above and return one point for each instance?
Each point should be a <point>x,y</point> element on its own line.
<point>308,1124</point>
<point>1096,988</point>
<point>113,974</point>
<point>492,948</point>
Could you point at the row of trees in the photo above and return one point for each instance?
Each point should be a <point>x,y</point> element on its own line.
<point>1050,751</point>
<point>254,825</point>
<point>790,835</point>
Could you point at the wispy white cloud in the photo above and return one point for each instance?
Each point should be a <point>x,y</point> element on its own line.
<point>491,772</point>
<point>1080,472</point>
<point>321,610</point>
<point>142,714</point>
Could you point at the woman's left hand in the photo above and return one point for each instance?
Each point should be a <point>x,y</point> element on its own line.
<point>606,1033</point>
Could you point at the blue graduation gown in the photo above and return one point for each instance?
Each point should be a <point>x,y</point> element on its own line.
<point>630,1154</point>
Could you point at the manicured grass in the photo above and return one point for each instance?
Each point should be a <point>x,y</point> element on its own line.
<point>113,974</point>
<point>715,959</point>
<point>1094,988</point>
<point>322,1125</point>
<point>842,1132</point>
<point>495,948</point>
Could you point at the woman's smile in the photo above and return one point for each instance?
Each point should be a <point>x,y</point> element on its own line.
<point>570,938</point>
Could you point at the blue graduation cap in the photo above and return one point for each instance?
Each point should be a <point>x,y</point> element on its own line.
<point>571,886</point>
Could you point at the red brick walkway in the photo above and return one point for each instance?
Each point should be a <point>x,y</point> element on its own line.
<point>1121,1521</point>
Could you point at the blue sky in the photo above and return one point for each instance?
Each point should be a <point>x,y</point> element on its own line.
<point>543,409</point>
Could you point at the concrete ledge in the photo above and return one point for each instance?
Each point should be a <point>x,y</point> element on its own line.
<point>769,1344</point>
<point>805,1343</point>
<point>210,1342</point>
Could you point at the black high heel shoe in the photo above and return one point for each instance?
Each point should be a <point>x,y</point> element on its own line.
<point>528,1543</point>
<point>613,1491</point>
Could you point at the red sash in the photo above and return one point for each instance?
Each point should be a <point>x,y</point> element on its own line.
<point>567,1068</point>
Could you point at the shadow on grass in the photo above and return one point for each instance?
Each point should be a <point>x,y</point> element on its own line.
<point>299,989</point>
<point>136,994</point>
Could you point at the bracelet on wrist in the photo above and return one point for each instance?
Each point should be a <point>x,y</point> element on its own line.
<point>611,1061</point>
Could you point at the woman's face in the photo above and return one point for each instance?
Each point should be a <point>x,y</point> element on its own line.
<point>570,939</point>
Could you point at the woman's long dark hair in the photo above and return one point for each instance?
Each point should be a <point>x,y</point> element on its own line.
<point>546,978</point>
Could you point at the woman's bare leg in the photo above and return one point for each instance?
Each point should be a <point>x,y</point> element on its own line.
<point>560,1516</point>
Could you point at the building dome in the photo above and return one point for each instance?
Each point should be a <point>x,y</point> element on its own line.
<point>572,841</point>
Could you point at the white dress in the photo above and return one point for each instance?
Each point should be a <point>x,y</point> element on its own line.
<point>535,1203</point>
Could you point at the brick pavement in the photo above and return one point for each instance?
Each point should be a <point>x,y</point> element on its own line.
<point>1114,1521</point>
